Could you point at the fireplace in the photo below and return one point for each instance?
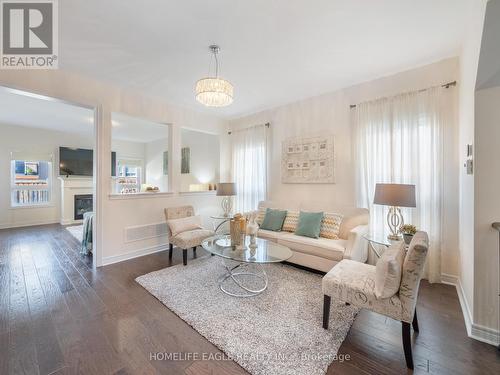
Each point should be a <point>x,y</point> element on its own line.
<point>83,203</point>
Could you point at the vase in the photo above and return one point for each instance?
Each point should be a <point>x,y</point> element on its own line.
<point>407,237</point>
<point>235,232</point>
<point>252,246</point>
<point>252,226</point>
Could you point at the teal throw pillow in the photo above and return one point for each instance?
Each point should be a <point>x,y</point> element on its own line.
<point>309,224</point>
<point>273,220</point>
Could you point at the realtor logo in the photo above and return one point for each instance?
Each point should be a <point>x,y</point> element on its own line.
<point>29,34</point>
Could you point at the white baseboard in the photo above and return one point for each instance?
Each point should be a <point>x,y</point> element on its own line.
<point>134,254</point>
<point>485,334</point>
<point>455,281</point>
<point>71,222</point>
<point>475,331</point>
<point>28,224</point>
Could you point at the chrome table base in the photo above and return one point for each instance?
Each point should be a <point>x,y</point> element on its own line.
<point>236,275</point>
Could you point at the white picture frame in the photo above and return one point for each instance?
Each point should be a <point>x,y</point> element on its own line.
<point>308,160</point>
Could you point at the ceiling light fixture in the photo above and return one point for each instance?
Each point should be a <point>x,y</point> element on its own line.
<point>214,91</point>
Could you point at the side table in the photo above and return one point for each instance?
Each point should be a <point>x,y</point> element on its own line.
<point>378,239</point>
<point>221,221</point>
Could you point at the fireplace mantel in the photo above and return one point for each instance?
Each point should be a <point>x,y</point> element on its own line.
<point>71,186</point>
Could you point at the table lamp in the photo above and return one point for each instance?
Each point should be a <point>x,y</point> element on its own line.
<point>395,196</point>
<point>226,190</point>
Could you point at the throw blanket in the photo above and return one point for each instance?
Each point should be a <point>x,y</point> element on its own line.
<point>88,218</point>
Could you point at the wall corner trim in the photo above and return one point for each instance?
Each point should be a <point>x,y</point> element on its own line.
<point>474,331</point>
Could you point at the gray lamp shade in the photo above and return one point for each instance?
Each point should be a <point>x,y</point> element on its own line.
<point>399,195</point>
<point>226,189</point>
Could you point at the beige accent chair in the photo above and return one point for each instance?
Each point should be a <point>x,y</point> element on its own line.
<point>354,283</point>
<point>184,240</point>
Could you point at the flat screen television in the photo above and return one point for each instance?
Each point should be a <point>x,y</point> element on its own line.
<point>80,162</point>
<point>76,161</point>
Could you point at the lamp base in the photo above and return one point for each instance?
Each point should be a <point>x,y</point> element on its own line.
<point>227,206</point>
<point>395,221</point>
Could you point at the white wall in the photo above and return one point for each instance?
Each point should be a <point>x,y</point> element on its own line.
<point>487,180</point>
<point>486,207</point>
<point>116,215</point>
<point>469,58</point>
<point>128,149</point>
<point>330,113</point>
<point>43,141</point>
<point>38,141</point>
<point>204,158</point>
<point>154,163</point>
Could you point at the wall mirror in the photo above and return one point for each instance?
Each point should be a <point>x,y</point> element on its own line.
<point>139,155</point>
<point>200,164</point>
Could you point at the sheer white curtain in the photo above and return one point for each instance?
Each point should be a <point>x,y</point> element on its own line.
<point>400,140</point>
<point>249,154</point>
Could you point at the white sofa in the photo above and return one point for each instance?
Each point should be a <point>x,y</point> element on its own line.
<point>323,253</point>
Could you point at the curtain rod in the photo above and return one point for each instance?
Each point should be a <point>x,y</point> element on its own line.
<point>445,86</point>
<point>266,125</point>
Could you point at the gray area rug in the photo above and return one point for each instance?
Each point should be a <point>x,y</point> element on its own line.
<point>76,231</point>
<point>277,332</point>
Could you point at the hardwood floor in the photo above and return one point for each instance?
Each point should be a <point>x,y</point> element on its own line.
<point>59,316</point>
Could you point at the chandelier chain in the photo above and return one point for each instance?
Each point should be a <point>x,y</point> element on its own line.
<point>216,64</point>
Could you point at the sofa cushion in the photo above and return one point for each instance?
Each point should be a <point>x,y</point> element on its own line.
<point>322,247</point>
<point>268,235</point>
<point>273,220</point>
<point>291,221</point>
<point>388,270</point>
<point>309,224</point>
<point>261,214</point>
<point>330,226</point>
<point>352,216</point>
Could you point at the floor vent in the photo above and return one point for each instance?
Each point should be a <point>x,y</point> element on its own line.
<point>143,232</point>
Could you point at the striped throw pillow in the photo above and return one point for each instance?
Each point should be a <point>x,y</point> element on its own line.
<point>291,221</point>
<point>330,226</point>
<point>260,215</point>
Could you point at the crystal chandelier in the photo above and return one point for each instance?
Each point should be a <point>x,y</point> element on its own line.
<point>214,91</point>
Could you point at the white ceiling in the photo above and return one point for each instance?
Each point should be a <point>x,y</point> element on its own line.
<point>27,111</point>
<point>273,52</point>
<point>19,109</point>
<point>127,128</point>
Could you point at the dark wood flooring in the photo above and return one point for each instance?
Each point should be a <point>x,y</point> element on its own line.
<point>59,316</point>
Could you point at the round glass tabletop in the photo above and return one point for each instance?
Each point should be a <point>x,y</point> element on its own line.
<point>265,252</point>
<point>222,217</point>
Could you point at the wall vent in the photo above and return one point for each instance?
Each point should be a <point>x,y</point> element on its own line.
<point>143,232</point>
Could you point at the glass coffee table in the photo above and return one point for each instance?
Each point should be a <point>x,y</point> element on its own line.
<point>245,275</point>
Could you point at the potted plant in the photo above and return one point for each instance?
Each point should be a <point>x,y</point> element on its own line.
<point>408,231</point>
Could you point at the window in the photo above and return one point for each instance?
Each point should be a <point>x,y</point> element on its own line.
<point>141,153</point>
<point>250,166</point>
<point>30,183</point>
<point>128,179</point>
<point>401,140</point>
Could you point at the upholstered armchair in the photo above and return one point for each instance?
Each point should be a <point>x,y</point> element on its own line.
<point>185,239</point>
<point>354,283</point>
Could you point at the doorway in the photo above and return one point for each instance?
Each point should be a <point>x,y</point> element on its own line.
<point>48,188</point>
